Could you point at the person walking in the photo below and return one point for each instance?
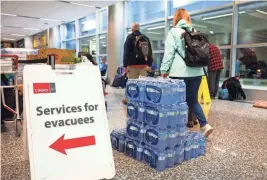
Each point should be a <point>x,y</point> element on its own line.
<point>174,66</point>
<point>137,58</point>
<point>214,70</point>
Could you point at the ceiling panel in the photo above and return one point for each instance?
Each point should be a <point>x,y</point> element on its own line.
<point>69,12</point>
<point>37,8</point>
<point>9,6</point>
<point>8,30</point>
<point>97,3</point>
<point>43,9</point>
<point>27,22</point>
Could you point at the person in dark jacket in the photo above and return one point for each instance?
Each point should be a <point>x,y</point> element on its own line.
<point>234,88</point>
<point>249,59</point>
<point>214,70</point>
<point>134,65</point>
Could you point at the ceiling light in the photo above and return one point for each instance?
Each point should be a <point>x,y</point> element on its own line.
<point>78,4</point>
<point>157,27</point>
<point>223,15</point>
<point>9,39</point>
<point>219,16</point>
<point>32,29</point>
<point>17,35</point>
<point>154,33</point>
<point>49,19</point>
<point>5,14</point>
<point>261,12</point>
<point>211,32</point>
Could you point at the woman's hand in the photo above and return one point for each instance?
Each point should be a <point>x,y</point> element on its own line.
<point>164,75</point>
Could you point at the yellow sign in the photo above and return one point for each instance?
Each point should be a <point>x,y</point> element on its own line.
<point>203,92</point>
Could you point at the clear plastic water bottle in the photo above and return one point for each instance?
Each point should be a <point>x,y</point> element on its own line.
<point>139,152</point>
<point>187,150</point>
<point>182,91</point>
<point>133,130</point>
<point>132,110</point>
<point>114,140</point>
<point>172,137</point>
<point>194,148</point>
<point>202,145</point>
<point>172,115</point>
<point>141,113</point>
<point>122,138</point>
<point>132,90</point>
<point>183,114</point>
<point>182,154</point>
<point>142,132</point>
<point>170,158</point>
<point>181,135</point>
<point>130,148</point>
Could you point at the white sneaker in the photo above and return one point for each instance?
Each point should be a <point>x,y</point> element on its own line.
<point>206,130</point>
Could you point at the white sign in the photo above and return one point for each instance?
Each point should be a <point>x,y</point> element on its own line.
<point>67,127</point>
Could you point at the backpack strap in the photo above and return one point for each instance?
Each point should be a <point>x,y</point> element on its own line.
<point>176,49</point>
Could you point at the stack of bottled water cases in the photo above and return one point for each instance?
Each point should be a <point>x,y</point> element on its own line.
<point>156,130</point>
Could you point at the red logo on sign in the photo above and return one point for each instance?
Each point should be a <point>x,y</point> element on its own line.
<point>39,88</point>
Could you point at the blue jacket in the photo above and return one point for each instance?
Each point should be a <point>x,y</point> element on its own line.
<point>172,62</point>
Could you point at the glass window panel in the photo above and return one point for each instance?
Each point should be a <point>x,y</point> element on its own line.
<point>144,11</point>
<point>103,25</point>
<point>251,66</point>
<point>155,33</point>
<point>193,5</point>
<point>252,23</point>
<point>70,31</point>
<point>88,44</point>
<point>157,60</point>
<point>88,25</point>
<point>225,73</point>
<point>103,44</point>
<point>217,24</point>
<point>71,44</point>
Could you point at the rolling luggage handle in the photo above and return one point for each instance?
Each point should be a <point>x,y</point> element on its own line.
<point>18,122</point>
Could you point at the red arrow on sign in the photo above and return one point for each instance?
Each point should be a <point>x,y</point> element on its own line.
<point>61,145</point>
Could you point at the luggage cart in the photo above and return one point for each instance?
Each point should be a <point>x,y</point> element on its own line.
<point>9,65</point>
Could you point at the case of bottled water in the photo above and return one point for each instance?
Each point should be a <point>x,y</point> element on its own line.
<point>156,138</point>
<point>136,111</point>
<point>195,145</point>
<point>135,90</point>
<point>156,131</point>
<point>156,91</point>
<point>155,158</point>
<point>135,130</point>
<point>118,139</point>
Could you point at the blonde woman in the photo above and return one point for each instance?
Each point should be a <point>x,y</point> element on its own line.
<point>174,66</point>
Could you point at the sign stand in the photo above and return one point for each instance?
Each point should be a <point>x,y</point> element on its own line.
<point>204,92</point>
<point>66,124</point>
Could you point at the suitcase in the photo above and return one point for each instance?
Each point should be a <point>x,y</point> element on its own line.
<point>120,81</point>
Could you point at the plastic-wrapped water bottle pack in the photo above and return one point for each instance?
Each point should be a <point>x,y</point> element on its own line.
<point>156,131</point>
<point>156,90</point>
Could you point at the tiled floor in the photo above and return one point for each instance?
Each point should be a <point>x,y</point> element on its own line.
<point>237,150</point>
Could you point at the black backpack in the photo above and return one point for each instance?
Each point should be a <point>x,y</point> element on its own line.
<point>142,47</point>
<point>197,51</point>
